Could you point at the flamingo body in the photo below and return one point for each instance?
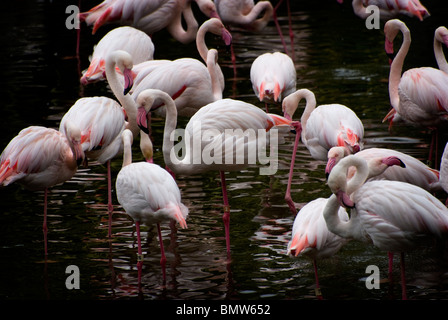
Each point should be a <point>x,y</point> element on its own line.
<point>137,43</point>
<point>390,8</point>
<point>273,76</point>
<point>310,235</point>
<point>39,158</point>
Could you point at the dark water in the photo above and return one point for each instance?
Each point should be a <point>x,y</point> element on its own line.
<point>336,56</point>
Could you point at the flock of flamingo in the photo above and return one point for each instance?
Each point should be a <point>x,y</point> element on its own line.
<point>380,196</point>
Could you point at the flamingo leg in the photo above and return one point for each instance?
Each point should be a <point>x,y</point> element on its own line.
<point>317,289</point>
<point>279,30</point>
<point>226,215</point>
<point>44,225</point>
<point>110,207</point>
<point>403,278</point>
<point>139,253</point>
<point>162,252</point>
<point>291,171</point>
<point>391,264</point>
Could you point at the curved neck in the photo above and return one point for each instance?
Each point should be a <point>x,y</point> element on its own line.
<point>176,29</point>
<point>260,23</point>
<point>334,223</point>
<point>440,57</point>
<point>396,68</point>
<point>117,88</point>
<point>215,74</point>
<point>359,9</point>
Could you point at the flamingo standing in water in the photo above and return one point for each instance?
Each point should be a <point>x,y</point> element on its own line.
<point>390,8</point>
<point>137,43</point>
<point>420,95</point>
<point>39,158</point>
<point>151,16</point>
<point>441,37</point>
<point>218,128</point>
<point>323,127</point>
<point>150,195</point>
<point>273,77</point>
<point>310,235</point>
<point>392,215</point>
<point>414,171</point>
<point>102,119</point>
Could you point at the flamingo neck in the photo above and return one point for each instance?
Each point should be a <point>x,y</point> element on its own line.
<point>359,9</point>
<point>126,101</point>
<point>334,223</point>
<point>127,151</point>
<point>176,29</point>
<point>215,74</point>
<point>260,23</point>
<point>397,67</point>
<point>440,56</point>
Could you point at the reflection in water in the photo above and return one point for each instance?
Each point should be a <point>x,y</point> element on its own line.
<point>335,56</point>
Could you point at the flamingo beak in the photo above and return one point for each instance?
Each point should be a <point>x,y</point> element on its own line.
<point>128,81</point>
<point>330,165</point>
<point>393,161</point>
<point>142,119</point>
<point>227,37</point>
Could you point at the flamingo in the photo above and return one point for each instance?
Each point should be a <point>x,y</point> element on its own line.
<point>392,215</point>
<point>419,96</point>
<point>273,76</point>
<point>441,36</point>
<point>150,16</point>
<point>323,127</point>
<point>227,121</point>
<point>150,195</point>
<point>414,172</point>
<point>39,158</point>
<point>102,119</point>
<point>137,43</point>
<point>188,81</point>
<point>390,8</point>
<point>310,235</point>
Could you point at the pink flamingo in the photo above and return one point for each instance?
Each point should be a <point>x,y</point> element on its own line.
<point>273,76</point>
<point>391,215</point>
<point>310,235</point>
<point>227,121</point>
<point>39,158</point>
<point>414,171</point>
<point>150,195</point>
<point>419,96</point>
<point>188,81</point>
<point>137,43</point>
<point>390,8</point>
<point>441,36</point>
<point>102,119</point>
<point>150,16</point>
<point>323,127</point>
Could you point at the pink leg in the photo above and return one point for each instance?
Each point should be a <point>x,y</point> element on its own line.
<point>162,252</point>
<point>291,170</point>
<point>317,290</point>
<point>139,253</point>
<point>110,207</point>
<point>44,226</point>
<point>226,215</point>
<point>403,279</point>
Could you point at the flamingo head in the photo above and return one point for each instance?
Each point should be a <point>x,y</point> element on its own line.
<point>442,35</point>
<point>334,155</point>
<point>142,119</point>
<point>391,29</point>
<point>208,8</point>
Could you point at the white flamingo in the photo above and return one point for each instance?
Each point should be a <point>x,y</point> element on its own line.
<point>102,119</point>
<point>414,171</point>
<point>39,158</point>
<point>391,215</point>
<point>323,127</point>
<point>148,194</point>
